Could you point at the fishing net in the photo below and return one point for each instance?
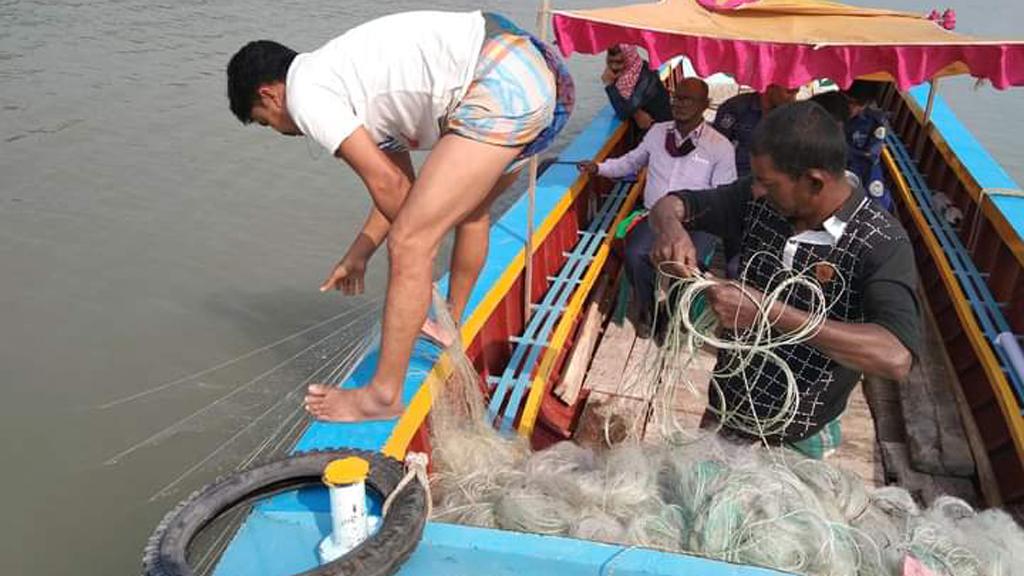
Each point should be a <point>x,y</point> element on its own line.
<point>696,492</point>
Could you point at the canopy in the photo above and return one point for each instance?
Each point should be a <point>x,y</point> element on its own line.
<point>792,42</point>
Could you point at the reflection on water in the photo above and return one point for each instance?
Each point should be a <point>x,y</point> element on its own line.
<point>160,262</point>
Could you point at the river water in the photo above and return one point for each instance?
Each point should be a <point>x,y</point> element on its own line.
<point>159,262</point>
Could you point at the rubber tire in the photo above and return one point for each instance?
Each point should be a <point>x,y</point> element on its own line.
<point>379,555</point>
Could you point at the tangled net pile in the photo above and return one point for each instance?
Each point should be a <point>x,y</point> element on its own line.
<point>696,493</point>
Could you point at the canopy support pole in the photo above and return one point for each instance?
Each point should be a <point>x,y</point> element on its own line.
<point>542,33</point>
<point>933,88</point>
<point>926,124</point>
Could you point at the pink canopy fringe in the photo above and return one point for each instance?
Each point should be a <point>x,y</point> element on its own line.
<point>758,64</point>
<point>723,4</point>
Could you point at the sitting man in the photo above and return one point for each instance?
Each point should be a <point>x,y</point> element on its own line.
<point>866,130</point>
<point>634,90</point>
<point>799,214</point>
<point>738,116</point>
<point>683,153</point>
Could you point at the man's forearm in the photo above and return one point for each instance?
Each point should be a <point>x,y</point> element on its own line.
<point>374,231</point>
<point>389,196</point>
<point>626,165</point>
<point>667,216</point>
<point>865,347</point>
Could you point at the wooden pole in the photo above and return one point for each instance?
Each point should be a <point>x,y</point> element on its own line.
<point>528,282</point>
<point>932,90</point>
<point>926,124</point>
<point>542,33</point>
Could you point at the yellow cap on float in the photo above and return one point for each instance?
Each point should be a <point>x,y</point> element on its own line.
<point>346,471</point>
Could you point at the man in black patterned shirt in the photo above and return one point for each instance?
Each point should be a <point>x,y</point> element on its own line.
<point>798,214</point>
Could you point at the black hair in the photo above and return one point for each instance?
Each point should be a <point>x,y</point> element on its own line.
<point>799,137</point>
<point>864,91</point>
<point>258,63</point>
<point>835,103</point>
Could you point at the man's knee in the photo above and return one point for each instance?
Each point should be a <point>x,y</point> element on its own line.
<point>479,218</point>
<point>408,245</point>
<point>637,252</point>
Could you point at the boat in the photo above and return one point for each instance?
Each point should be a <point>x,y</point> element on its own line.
<point>532,342</point>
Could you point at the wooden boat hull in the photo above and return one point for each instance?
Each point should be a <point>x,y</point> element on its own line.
<point>972,273</point>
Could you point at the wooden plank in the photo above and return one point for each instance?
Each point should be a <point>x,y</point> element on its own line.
<point>604,381</point>
<point>691,404</point>
<point>858,452</point>
<point>637,375</point>
<point>568,390</point>
<point>627,407</point>
<point>925,487</point>
<point>620,388</point>
<point>607,419</point>
<point>883,398</point>
<point>935,436</point>
<point>987,481</point>
<point>605,374</point>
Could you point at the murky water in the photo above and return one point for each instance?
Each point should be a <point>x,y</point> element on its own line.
<point>155,256</point>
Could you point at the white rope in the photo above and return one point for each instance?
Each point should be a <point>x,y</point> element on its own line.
<point>754,346</point>
<point>415,467</point>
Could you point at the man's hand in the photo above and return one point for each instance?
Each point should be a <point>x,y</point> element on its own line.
<point>643,119</point>
<point>676,253</point>
<point>608,76</point>
<point>672,245</point>
<point>587,167</point>
<point>347,276</point>
<point>737,308</point>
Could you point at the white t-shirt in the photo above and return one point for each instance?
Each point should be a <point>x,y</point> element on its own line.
<point>398,76</point>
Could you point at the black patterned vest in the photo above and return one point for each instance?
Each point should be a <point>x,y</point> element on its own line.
<point>770,253</point>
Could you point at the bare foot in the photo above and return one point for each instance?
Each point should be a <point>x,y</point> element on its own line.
<point>333,404</point>
<point>434,331</point>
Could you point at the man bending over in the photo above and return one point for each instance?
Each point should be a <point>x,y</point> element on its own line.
<point>476,90</point>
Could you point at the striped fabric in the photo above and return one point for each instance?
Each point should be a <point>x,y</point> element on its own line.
<point>818,446</point>
<point>821,443</point>
<point>521,94</point>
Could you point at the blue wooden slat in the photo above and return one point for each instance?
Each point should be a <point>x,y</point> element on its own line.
<point>546,322</point>
<point>976,291</point>
<point>573,271</point>
<point>533,331</point>
<point>985,170</point>
<point>550,306</point>
<point>960,260</point>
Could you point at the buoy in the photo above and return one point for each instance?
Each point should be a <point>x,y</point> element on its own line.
<point>346,482</point>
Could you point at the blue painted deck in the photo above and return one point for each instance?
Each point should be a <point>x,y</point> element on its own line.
<point>461,551</point>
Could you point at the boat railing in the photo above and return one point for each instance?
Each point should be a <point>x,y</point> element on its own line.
<point>968,308</point>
